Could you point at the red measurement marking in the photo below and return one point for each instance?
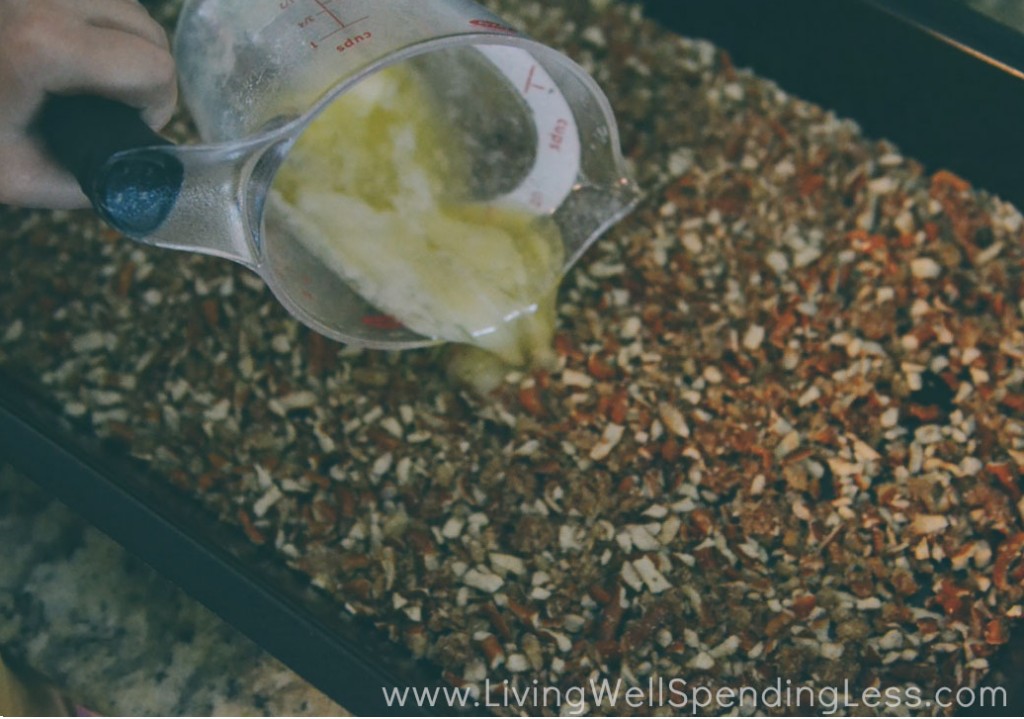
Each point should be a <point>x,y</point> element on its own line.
<point>557,136</point>
<point>491,25</point>
<point>530,84</point>
<point>329,12</point>
<point>353,41</point>
<point>339,24</point>
<point>382,322</point>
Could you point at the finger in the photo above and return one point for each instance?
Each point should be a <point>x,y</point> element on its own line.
<point>124,15</point>
<point>118,66</point>
<point>31,179</point>
<point>49,52</point>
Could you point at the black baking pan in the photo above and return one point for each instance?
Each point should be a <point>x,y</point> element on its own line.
<point>942,81</point>
<point>348,660</point>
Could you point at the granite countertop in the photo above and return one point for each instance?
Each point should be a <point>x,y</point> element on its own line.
<point>116,636</point>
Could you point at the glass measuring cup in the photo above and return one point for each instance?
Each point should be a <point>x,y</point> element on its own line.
<point>540,135</point>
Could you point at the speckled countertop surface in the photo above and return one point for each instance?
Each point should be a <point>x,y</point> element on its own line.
<point>118,637</point>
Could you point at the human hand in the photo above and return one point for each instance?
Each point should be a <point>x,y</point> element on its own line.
<point>109,48</point>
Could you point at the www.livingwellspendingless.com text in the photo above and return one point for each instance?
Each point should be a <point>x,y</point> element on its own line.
<point>677,694</point>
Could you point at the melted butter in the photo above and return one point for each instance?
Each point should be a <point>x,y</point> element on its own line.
<point>372,187</point>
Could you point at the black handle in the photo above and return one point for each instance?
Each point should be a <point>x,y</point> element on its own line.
<point>135,193</point>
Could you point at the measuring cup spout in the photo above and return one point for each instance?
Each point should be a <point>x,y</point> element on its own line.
<point>186,198</point>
